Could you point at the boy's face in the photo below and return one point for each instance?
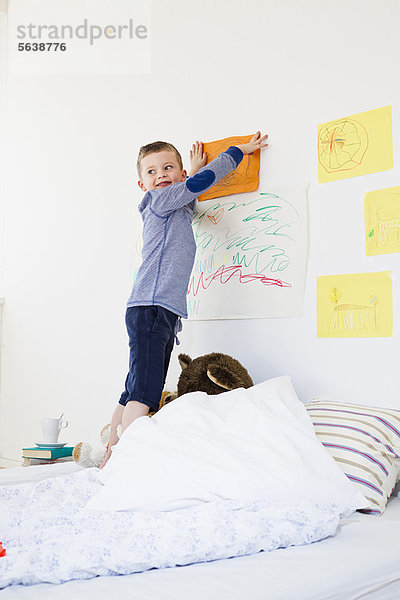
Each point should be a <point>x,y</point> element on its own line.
<point>159,170</point>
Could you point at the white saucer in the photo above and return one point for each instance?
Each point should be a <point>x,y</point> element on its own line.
<point>49,445</point>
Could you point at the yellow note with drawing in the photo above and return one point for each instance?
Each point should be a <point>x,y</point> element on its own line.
<point>355,305</point>
<point>382,221</point>
<point>355,145</point>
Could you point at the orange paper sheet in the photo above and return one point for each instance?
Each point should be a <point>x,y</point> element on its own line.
<point>242,179</point>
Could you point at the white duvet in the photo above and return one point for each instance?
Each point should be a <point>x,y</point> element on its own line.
<point>208,477</point>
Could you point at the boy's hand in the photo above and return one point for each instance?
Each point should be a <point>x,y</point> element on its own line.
<point>256,143</point>
<point>198,158</point>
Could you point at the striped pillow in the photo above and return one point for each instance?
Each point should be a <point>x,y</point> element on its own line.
<point>365,442</point>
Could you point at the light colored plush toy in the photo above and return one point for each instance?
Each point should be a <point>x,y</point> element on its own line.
<point>86,456</point>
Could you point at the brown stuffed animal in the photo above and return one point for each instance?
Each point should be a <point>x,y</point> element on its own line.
<point>212,373</point>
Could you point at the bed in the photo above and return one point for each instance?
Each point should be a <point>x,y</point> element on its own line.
<point>360,559</point>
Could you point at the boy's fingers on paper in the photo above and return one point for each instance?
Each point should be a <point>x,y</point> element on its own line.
<point>197,147</point>
<point>262,139</point>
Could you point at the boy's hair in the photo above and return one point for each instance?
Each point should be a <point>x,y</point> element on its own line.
<point>156,147</point>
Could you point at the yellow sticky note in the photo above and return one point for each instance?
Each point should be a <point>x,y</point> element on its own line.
<point>355,145</point>
<point>242,179</point>
<point>382,221</point>
<point>355,305</point>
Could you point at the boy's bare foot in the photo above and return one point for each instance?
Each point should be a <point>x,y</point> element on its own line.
<point>105,459</point>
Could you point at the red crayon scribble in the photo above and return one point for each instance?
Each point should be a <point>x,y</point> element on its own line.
<point>215,218</point>
<point>224,274</point>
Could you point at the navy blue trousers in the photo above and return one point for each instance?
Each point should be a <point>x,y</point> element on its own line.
<point>151,331</point>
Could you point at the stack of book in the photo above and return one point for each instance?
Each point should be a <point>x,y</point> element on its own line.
<point>44,455</point>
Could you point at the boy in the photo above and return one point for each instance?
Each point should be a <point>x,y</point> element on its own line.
<point>158,298</point>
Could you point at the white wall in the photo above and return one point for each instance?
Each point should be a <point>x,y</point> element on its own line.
<point>218,69</point>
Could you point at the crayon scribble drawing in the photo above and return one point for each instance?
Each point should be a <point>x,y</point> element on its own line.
<point>342,145</point>
<point>251,256</point>
<point>355,145</point>
<point>355,305</point>
<point>352,317</point>
<point>382,221</point>
<point>242,179</point>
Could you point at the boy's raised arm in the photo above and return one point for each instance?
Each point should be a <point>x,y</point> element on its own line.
<point>256,143</point>
<point>205,175</point>
<point>198,158</point>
